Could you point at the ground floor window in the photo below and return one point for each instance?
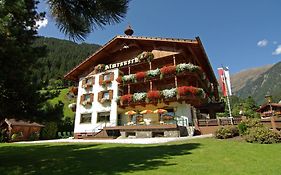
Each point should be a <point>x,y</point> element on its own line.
<point>103,117</point>
<point>86,118</point>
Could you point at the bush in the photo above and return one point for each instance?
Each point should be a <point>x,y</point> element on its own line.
<point>226,132</point>
<point>246,124</point>
<point>34,136</point>
<point>16,136</point>
<point>262,135</point>
<point>49,131</point>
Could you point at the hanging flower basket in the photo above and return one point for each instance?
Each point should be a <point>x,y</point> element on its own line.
<point>148,56</point>
<point>100,68</point>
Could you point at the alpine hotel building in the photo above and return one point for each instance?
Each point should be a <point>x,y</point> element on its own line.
<point>144,87</point>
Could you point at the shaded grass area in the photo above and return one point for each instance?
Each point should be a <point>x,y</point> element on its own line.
<point>202,156</point>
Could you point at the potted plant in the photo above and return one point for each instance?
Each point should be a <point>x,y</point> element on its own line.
<point>126,99</point>
<point>153,73</point>
<point>169,93</point>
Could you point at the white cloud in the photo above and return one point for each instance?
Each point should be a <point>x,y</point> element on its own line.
<point>275,42</point>
<point>262,43</point>
<point>277,51</point>
<point>42,23</point>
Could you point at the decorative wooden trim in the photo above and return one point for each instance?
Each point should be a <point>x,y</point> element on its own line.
<point>111,76</point>
<point>100,94</point>
<point>82,98</point>
<point>83,82</point>
<point>91,97</point>
<point>101,79</point>
<point>110,92</point>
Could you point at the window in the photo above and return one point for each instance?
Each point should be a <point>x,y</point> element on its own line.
<point>106,95</point>
<point>87,97</point>
<point>103,117</point>
<point>106,77</point>
<point>86,118</point>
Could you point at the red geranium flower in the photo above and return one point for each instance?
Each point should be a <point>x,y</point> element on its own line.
<point>168,70</point>
<point>140,75</point>
<point>152,95</point>
<point>126,98</point>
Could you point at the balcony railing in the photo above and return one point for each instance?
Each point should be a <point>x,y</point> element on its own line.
<point>190,94</point>
<point>166,72</point>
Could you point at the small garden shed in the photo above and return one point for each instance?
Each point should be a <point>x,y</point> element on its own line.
<point>18,130</point>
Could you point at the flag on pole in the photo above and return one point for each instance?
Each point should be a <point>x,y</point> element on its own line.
<point>224,80</point>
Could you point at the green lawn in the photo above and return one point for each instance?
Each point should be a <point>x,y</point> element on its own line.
<point>63,98</point>
<point>200,156</point>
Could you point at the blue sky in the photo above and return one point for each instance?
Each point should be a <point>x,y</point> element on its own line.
<point>240,34</point>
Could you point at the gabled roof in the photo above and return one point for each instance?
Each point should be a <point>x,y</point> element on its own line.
<point>14,122</point>
<point>267,105</point>
<point>194,45</point>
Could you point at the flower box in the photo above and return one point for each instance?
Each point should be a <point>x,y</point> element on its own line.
<point>126,99</point>
<point>152,73</point>
<point>169,93</point>
<point>140,76</point>
<point>139,97</point>
<point>153,95</point>
<point>167,70</point>
<point>190,90</point>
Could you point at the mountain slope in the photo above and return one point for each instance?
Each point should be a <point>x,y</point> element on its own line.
<point>62,56</point>
<point>239,80</point>
<point>266,83</point>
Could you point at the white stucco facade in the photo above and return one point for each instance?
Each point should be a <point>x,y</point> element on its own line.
<point>96,106</point>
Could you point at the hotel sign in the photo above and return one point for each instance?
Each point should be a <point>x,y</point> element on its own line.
<point>121,64</point>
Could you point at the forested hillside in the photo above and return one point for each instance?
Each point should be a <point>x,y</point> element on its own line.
<point>61,56</point>
<point>267,83</point>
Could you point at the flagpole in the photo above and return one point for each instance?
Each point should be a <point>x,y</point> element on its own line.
<point>227,96</point>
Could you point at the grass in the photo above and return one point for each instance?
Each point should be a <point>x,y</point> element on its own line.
<point>67,112</point>
<point>201,156</point>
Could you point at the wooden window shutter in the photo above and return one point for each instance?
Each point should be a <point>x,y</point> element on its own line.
<point>100,94</point>
<point>93,80</point>
<point>100,79</point>
<point>111,76</point>
<point>83,82</point>
<point>110,92</point>
<point>91,97</point>
<point>82,98</point>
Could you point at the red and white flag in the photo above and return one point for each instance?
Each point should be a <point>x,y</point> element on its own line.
<point>224,81</point>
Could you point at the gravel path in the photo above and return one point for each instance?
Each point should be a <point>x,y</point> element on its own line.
<point>125,141</point>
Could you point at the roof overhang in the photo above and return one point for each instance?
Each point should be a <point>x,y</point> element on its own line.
<point>195,46</point>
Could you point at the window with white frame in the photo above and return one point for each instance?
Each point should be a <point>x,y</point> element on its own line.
<point>103,117</point>
<point>86,118</point>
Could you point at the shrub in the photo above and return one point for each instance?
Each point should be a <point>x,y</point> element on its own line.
<point>16,136</point>
<point>246,124</point>
<point>49,131</point>
<point>226,132</point>
<point>262,135</point>
<point>34,136</point>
